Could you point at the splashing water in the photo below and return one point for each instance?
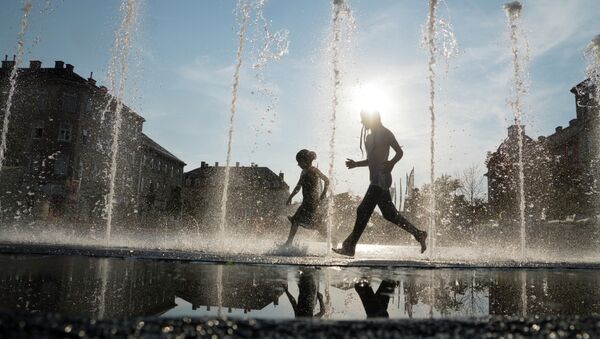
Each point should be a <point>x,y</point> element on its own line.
<point>592,53</point>
<point>266,47</point>
<point>593,70</point>
<point>513,13</point>
<point>244,11</point>
<point>432,49</point>
<point>440,41</point>
<point>342,24</point>
<point>14,73</point>
<point>123,39</point>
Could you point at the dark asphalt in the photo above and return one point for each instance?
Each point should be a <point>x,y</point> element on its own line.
<point>55,326</point>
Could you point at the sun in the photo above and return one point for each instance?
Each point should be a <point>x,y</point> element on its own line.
<point>371,96</point>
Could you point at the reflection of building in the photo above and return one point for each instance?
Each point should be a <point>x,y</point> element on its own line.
<point>80,286</point>
<point>559,168</point>
<point>256,195</point>
<point>59,146</point>
<point>543,293</point>
<point>250,288</point>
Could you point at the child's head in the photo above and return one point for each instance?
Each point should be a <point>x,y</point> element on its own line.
<point>305,158</point>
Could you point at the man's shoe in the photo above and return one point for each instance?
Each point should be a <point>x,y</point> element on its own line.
<point>422,239</point>
<point>344,251</point>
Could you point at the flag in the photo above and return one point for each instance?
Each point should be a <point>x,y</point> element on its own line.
<point>400,202</point>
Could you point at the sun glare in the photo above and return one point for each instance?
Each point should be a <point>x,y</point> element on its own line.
<point>372,97</point>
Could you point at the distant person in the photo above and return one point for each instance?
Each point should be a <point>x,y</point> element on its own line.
<point>309,214</point>
<point>376,303</point>
<point>377,141</point>
<point>308,295</point>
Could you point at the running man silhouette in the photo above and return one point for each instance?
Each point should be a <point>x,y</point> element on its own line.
<point>377,141</point>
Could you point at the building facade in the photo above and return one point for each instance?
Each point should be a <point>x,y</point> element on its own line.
<point>256,196</point>
<point>59,147</point>
<point>559,169</point>
<point>161,182</point>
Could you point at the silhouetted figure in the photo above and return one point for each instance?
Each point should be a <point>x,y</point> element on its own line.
<point>309,214</point>
<point>308,296</point>
<point>375,303</point>
<point>378,142</point>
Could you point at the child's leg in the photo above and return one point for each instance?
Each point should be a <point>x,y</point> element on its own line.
<point>293,230</point>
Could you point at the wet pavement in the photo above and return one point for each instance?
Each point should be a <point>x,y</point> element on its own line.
<point>113,288</point>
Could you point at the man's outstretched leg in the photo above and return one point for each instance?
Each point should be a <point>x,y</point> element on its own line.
<point>363,214</point>
<point>391,214</point>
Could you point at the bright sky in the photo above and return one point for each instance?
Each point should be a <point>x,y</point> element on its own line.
<point>181,78</point>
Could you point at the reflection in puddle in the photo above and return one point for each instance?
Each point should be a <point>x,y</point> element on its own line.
<point>115,288</point>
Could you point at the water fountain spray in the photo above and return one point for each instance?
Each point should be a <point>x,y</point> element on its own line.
<point>432,49</point>
<point>245,13</point>
<point>123,38</point>
<point>266,46</point>
<point>592,53</point>
<point>341,14</point>
<point>12,79</point>
<point>513,13</point>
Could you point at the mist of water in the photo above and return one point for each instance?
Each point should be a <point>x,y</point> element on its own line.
<point>122,43</point>
<point>513,13</point>
<point>244,12</point>
<point>12,79</point>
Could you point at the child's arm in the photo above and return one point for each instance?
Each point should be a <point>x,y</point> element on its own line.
<point>351,163</point>
<point>325,183</point>
<point>294,192</point>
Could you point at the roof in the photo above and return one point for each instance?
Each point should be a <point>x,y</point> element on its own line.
<point>159,149</point>
<point>255,173</point>
<point>52,73</point>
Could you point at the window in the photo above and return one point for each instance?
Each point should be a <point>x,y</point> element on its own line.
<point>41,99</point>
<point>60,164</point>
<point>85,136</point>
<point>70,103</point>
<point>88,104</point>
<point>64,132</point>
<point>38,130</point>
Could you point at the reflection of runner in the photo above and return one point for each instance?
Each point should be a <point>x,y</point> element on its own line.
<point>375,304</point>
<point>378,143</point>
<point>308,295</point>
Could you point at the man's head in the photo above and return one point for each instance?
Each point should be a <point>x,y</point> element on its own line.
<point>370,119</point>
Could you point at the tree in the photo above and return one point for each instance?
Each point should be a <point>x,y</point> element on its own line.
<point>471,184</point>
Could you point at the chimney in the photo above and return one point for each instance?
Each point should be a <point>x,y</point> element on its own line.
<point>237,164</point>
<point>91,79</point>
<point>558,129</point>
<point>203,164</point>
<point>281,176</point>
<point>59,64</point>
<point>70,68</point>
<point>513,131</point>
<point>216,164</point>
<point>35,64</point>
<point>8,64</point>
